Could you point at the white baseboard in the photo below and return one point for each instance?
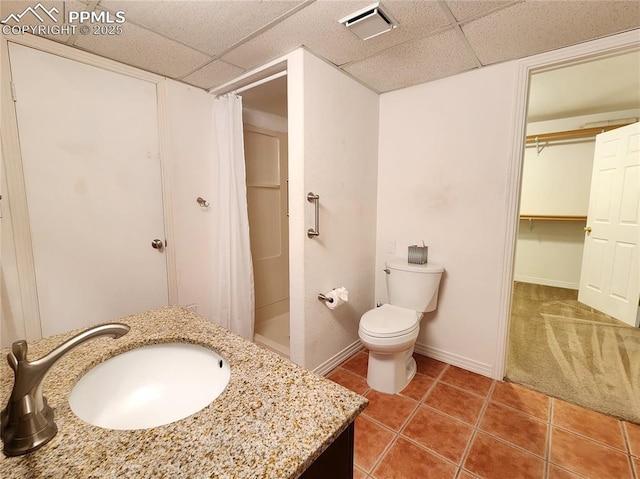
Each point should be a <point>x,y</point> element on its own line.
<point>339,358</point>
<point>547,282</point>
<point>425,350</point>
<point>455,360</point>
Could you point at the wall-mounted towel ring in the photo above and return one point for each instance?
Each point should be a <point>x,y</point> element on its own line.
<point>202,202</point>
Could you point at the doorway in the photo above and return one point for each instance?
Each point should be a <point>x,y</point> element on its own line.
<point>557,345</point>
<point>266,157</point>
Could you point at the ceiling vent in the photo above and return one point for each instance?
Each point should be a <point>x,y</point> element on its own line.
<point>369,22</point>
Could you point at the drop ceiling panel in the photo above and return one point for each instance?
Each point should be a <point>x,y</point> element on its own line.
<point>214,73</point>
<point>209,26</point>
<point>414,62</point>
<point>180,39</point>
<point>316,27</point>
<point>533,27</point>
<point>12,7</point>
<point>144,49</point>
<point>16,7</point>
<point>468,9</point>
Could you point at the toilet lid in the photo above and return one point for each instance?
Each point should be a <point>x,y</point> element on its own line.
<point>388,321</point>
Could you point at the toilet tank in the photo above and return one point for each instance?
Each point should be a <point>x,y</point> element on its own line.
<point>413,286</point>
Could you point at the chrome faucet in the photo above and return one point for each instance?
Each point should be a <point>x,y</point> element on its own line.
<point>27,421</point>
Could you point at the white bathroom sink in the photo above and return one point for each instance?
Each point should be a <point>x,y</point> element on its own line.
<point>150,386</point>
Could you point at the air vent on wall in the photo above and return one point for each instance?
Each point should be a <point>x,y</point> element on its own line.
<point>369,22</point>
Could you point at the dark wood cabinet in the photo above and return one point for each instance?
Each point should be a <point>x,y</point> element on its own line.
<point>336,462</point>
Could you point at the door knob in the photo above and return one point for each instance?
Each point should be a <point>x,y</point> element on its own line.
<point>157,244</point>
<point>587,229</point>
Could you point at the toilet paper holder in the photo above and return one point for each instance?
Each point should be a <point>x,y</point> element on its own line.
<point>323,297</point>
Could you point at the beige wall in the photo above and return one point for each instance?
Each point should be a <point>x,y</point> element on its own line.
<point>190,145</point>
<point>336,159</point>
<point>549,253</point>
<point>266,121</point>
<point>442,178</point>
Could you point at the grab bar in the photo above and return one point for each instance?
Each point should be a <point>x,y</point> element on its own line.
<point>311,232</point>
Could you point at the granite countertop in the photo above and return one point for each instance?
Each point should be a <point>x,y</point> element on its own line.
<point>272,421</point>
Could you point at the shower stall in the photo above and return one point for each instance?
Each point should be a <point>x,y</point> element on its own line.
<point>265,142</point>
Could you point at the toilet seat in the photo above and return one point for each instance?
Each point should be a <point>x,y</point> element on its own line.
<point>389,321</point>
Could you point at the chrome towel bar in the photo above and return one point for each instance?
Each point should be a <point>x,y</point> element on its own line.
<point>313,198</point>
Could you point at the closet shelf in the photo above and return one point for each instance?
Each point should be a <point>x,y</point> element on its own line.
<point>552,218</point>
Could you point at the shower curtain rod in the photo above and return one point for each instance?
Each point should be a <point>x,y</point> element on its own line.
<point>256,83</point>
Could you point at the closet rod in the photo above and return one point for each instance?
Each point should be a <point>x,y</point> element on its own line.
<point>567,135</point>
<point>275,76</point>
<point>553,218</point>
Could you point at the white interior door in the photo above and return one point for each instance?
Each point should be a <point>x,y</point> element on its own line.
<point>89,143</point>
<point>610,275</point>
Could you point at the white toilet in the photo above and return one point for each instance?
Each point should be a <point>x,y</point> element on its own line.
<point>390,331</point>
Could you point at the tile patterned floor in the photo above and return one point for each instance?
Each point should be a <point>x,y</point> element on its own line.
<point>453,424</point>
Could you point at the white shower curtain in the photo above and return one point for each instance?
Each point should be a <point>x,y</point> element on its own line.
<point>233,291</point>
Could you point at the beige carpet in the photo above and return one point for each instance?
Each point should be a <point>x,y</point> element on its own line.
<point>564,349</point>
